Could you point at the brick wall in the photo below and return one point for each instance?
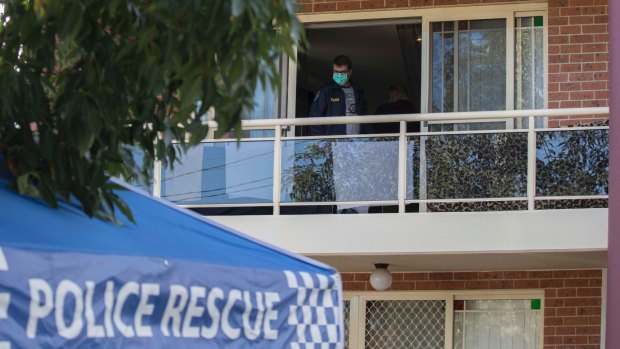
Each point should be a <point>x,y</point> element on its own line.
<point>578,56</point>
<point>578,52</point>
<point>572,297</point>
<point>353,5</point>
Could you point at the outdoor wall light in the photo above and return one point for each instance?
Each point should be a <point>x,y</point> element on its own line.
<point>381,278</point>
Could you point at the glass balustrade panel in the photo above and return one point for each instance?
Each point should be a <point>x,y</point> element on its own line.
<point>468,166</point>
<point>347,169</point>
<point>222,173</point>
<point>572,163</point>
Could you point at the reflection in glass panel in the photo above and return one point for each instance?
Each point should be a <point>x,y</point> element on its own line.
<point>135,154</point>
<point>265,107</point>
<point>524,22</point>
<point>467,126</point>
<point>524,72</point>
<point>457,329</point>
<point>357,169</point>
<point>479,55</point>
<point>413,168</point>
<point>523,123</point>
<point>486,24</point>
<point>498,304</point>
<point>437,73</point>
<point>440,127</point>
<point>464,71</point>
<point>443,67</point>
<point>570,163</point>
<point>448,72</point>
<point>529,65</point>
<point>539,64</point>
<point>473,166</point>
<point>222,173</point>
<point>482,66</point>
<point>483,125</point>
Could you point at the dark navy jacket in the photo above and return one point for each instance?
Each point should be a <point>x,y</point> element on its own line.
<point>330,101</point>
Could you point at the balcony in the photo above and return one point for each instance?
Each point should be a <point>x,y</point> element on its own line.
<point>523,189</point>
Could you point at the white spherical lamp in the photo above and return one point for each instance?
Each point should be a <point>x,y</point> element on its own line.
<point>381,278</point>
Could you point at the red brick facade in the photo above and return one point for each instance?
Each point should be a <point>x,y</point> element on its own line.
<point>578,56</point>
<point>572,297</point>
<point>578,46</point>
<point>349,5</point>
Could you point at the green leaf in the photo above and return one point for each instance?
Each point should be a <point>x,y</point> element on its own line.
<point>99,77</point>
<point>122,206</point>
<point>23,183</point>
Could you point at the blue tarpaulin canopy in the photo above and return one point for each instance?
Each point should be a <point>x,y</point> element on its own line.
<point>172,279</point>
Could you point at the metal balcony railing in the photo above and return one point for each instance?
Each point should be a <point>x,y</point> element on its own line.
<point>523,168</point>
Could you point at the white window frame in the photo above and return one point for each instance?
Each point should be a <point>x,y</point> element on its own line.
<point>507,12</point>
<point>545,27</point>
<point>358,300</point>
<point>428,15</point>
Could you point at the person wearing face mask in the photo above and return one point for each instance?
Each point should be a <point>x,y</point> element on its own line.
<point>339,97</point>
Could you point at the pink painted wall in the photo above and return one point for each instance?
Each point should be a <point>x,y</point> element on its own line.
<point>613,273</point>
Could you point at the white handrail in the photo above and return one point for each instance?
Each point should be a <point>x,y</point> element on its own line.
<point>402,119</point>
<point>531,163</point>
<point>277,170</point>
<point>454,117</point>
<point>402,167</point>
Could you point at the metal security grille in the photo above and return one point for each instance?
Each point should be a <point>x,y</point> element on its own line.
<point>347,322</point>
<point>414,324</point>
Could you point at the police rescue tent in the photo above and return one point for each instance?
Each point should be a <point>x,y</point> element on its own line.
<point>172,280</point>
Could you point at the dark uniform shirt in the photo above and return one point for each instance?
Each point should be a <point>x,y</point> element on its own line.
<point>330,101</point>
<point>398,107</point>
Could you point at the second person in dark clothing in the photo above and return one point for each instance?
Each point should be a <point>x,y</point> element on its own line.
<point>398,103</point>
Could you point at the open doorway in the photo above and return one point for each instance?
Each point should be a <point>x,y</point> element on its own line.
<point>383,53</point>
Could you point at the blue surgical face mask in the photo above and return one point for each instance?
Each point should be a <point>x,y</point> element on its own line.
<point>340,78</point>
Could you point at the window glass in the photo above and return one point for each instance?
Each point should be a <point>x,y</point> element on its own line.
<point>529,65</point>
<point>347,169</point>
<point>420,323</point>
<point>489,324</point>
<point>221,173</point>
<point>265,107</point>
<point>467,126</point>
<point>529,93</point>
<point>476,55</point>
<point>443,68</point>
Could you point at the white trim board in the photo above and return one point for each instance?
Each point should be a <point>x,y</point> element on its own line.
<point>513,231</point>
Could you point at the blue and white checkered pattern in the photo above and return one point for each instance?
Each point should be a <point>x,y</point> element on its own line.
<point>4,266</point>
<point>5,299</point>
<point>316,314</point>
